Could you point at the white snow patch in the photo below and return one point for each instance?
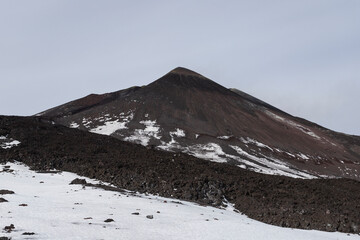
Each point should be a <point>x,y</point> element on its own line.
<point>104,118</point>
<point>178,133</point>
<point>269,165</point>
<point>243,166</point>
<point>311,134</point>
<point>74,125</point>
<point>143,136</point>
<point>290,154</point>
<point>10,144</point>
<point>173,144</point>
<point>86,122</point>
<point>303,156</point>
<point>170,146</point>
<point>224,137</point>
<point>210,151</point>
<point>262,164</point>
<point>2,138</point>
<point>293,124</point>
<point>151,129</point>
<point>257,143</point>
<point>110,127</point>
<point>57,210</point>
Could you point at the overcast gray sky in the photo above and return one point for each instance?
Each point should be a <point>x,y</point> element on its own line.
<point>300,56</point>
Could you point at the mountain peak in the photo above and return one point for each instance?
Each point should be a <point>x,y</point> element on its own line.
<point>187,79</point>
<point>185,72</point>
<point>183,112</point>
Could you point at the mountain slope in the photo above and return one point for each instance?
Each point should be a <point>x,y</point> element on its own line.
<point>84,210</point>
<point>323,204</point>
<point>184,111</point>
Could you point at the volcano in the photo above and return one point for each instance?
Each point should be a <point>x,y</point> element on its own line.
<point>248,156</point>
<point>186,112</point>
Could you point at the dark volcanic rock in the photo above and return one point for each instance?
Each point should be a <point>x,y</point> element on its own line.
<point>28,233</point>
<point>9,228</point>
<point>78,181</point>
<point>109,220</point>
<point>207,112</point>
<point>4,191</point>
<point>324,204</point>
<point>3,200</point>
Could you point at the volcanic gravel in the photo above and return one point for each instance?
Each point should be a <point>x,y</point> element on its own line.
<point>323,204</point>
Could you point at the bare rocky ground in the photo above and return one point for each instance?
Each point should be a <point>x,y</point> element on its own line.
<point>323,204</point>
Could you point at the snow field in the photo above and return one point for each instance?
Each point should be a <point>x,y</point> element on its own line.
<point>57,210</point>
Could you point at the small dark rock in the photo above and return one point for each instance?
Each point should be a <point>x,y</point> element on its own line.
<point>28,233</point>
<point>135,213</point>
<point>78,181</point>
<point>109,220</point>
<point>3,200</point>
<point>5,238</point>
<point>4,191</point>
<point>23,205</point>
<point>9,228</point>
<point>150,216</point>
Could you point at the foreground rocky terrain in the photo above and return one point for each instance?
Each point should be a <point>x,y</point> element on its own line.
<point>323,204</point>
<point>32,211</point>
<point>184,111</point>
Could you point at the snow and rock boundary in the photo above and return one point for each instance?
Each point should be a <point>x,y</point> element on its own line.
<point>323,204</point>
<point>46,206</point>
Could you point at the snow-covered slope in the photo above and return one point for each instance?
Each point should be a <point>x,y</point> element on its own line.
<point>46,205</point>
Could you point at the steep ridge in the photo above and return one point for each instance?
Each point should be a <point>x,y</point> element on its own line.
<point>184,111</point>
